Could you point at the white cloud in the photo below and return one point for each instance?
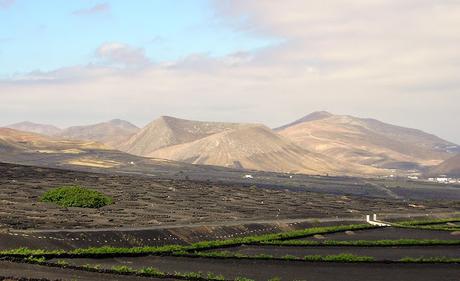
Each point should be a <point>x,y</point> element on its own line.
<point>123,54</point>
<point>94,10</point>
<point>392,60</point>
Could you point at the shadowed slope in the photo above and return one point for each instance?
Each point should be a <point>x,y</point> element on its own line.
<point>368,142</point>
<point>167,131</point>
<point>450,167</point>
<point>255,147</point>
<point>43,129</point>
<point>111,133</point>
<point>18,140</point>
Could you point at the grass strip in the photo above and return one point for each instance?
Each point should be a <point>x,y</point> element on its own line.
<point>276,236</point>
<point>431,224</point>
<point>365,243</point>
<point>126,270</point>
<point>344,257</point>
<point>107,251</point>
<point>428,222</point>
<point>430,227</point>
<point>430,260</point>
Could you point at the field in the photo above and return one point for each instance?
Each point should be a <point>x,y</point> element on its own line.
<point>161,228</point>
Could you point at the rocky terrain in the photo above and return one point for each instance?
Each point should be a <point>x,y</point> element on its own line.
<point>320,143</point>
<point>111,133</point>
<point>43,129</point>
<point>450,167</point>
<point>367,141</point>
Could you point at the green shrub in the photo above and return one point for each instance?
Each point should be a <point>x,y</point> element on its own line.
<point>150,271</point>
<point>213,276</point>
<point>122,269</point>
<point>36,259</point>
<point>62,263</point>
<point>76,196</point>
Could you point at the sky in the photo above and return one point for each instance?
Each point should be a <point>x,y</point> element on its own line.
<point>86,61</point>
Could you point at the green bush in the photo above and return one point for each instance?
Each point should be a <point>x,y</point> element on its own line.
<point>123,269</point>
<point>76,196</point>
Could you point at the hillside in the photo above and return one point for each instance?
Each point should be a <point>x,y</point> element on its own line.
<point>166,131</point>
<point>43,129</point>
<point>14,140</point>
<point>450,167</point>
<point>34,149</point>
<point>367,141</point>
<point>234,145</point>
<point>111,133</point>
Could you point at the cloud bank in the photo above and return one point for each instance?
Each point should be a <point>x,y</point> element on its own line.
<point>393,60</point>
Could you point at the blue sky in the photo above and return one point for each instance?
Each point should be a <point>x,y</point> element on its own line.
<point>50,34</point>
<point>264,61</point>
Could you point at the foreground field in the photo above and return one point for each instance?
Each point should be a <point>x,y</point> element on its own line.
<point>180,229</point>
<point>142,201</point>
<point>251,258</point>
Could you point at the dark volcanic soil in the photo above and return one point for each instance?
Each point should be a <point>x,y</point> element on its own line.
<point>264,269</point>
<point>24,270</point>
<point>70,239</point>
<point>146,201</point>
<point>388,233</point>
<point>379,253</point>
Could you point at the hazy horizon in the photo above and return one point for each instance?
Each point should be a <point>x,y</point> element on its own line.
<point>70,63</point>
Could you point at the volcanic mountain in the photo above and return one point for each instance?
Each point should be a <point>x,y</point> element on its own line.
<point>166,131</point>
<point>43,129</point>
<point>367,141</point>
<point>249,146</point>
<point>34,149</point>
<point>111,133</point>
<point>450,167</point>
<point>25,142</point>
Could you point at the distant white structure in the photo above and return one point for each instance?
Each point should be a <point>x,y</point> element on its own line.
<point>374,221</point>
<point>443,179</point>
<point>248,177</point>
<point>413,177</point>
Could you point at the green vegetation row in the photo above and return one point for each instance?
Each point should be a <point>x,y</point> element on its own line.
<point>431,224</point>
<point>76,196</point>
<point>428,222</point>
<point>276,236</point>
<point>107,251</point>
<point>430,260</point>
<point>366,243</point>
<point>344,257</point>
<point>125,270</point>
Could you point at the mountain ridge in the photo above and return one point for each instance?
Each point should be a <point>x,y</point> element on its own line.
<point>368,141</point>
<point>111,133</point>
<point>43,129</point>
<point>319,143</point>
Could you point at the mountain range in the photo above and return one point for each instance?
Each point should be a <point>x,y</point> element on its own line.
<point>367,141</point>
<point>110,133</point>
<point>319,143</point>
